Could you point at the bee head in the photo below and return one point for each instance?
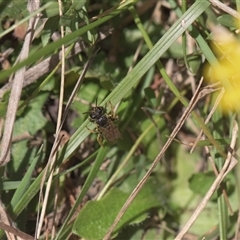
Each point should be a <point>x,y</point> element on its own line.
<point>96,112</point>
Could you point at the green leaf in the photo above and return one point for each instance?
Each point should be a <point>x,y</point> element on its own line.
<point>77,5</point>
<point>50,26</point>
<point>32,119</point>
<point>3,108</point>
<point>201,182</point>
<point>150,95</point>
<point>228,21</point>
<point>23,186</point>
<point>66,21</point>
<point>97,216</point>
<point>11,10</point>
<point>52,11</point>
<point>9,185</point>
<point>194,62</point>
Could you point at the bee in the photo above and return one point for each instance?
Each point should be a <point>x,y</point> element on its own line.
<point>105,124</point>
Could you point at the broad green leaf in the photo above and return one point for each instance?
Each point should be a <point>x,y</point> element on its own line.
<point>150,95</point>
<point>49,27</point>
<point>30,121</point>
<point>200,182</point>
<point>228,21</point>
<point>52,11</point>
<point>97,216</point>
<point>77,5</point>
<point>12,9</point>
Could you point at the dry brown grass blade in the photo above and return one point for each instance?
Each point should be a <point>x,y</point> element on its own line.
<point>227,167</point>
<point>198,95</point>
<point>18,235</point>
<point>8,226</point>
<point>225,8</point>
<point>59,119</point>
<point>5,219</point>
<point>17,87</point>
<point>208,117</point>
<point>216,174</point>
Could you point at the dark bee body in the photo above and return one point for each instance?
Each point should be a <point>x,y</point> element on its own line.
<point>105,124</point>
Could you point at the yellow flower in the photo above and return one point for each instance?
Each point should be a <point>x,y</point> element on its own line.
<point>227,71</point>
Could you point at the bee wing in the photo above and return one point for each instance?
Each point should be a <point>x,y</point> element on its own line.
<point>111,132</point>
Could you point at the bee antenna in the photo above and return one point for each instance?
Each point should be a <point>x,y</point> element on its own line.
<point>86,112</point>
<point>96,100</point>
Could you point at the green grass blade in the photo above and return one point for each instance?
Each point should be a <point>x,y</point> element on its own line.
<point>25,181</point>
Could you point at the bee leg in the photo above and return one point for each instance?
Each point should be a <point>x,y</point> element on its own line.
<point>95,130</point>
<point>112,114</point>
<point>100,139</point>
<point>91,120</point>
